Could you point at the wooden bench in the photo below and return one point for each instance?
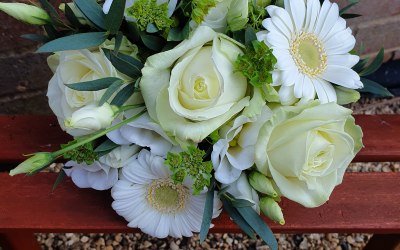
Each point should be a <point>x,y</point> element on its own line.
<point>365,202</point>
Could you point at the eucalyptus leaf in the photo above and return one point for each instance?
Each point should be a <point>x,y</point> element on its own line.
<point>208,213</point>
<point>250,36</point>
<point>124,63</point>
<point>115,16</point>
<point>61,175</point>
<point>74,42</point>
<point>342,11</point>
<point>106,147</point>
<point>154,43</point>
<point>71,17</point>
<point>94,85</point>
<point>237,218</point>
<point>242,203</point>
<point>259,226</point>
<point>350,16</point>
<point>374,88</point>
<point>151,28</point>
<point>55,17</point>
<point>93,12</point>
<point>36,37</point>
<point>110,91</point>
<point>118,41</point>
<point>176,34</point>
<point>123,95</point>
<point>360,65</point>
<point>375,64</point>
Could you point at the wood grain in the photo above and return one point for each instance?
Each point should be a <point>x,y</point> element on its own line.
<point>365,202</point>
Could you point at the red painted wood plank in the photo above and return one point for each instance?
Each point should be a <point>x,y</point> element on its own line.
<point>27,134</point>
<point>365,202</point>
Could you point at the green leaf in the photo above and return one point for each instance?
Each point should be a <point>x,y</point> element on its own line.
<point>124,63</point>
<point>374,88</point>
<point>242,203</point>
<point>240,36</point>
<point>36,38</point>
<point>237,218</point>
<point>259,226</point>
<point>154,43</point>
<point>350,16</point>
<point>93,12</point>
<point>70,15</point>
<point>106,147</point>
<point>208,213</point>
<point>115,16</point>
<point>55,17</point>
<point>342,11</point>
<point>360,65</point>
<point>176,34</point>
<point>110,91</point>
<point>118,42</point>
<point>74,42</point>
<point>250,36</point>
<point>123,95</point>
<point>60,177</point>
<point>375,64</point>
<point>151,28</point>
<point>94,85</point>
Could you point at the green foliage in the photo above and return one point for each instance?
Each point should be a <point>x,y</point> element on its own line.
<point>257,64</point>
<point>74,42</point>
<point>374,88</point>
<point>190,163</point>
<point>82,154</point>
<point>200,9</point>
<point>94,85</point>
<point>115,16</point>
<point>125,64</point>
<point>374,65</point>
<point>92,12</point>
<point>208,213</point>
<point>149,12</point>
<point>257,13</point>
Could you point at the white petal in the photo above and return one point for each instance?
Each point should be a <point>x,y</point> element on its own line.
<point>325,91</point>
<point>107,6</point>
<point>278,40</point>
<point>241,158</point>
<point>226,173</point>
<point>313,7</point>
<point>342,76</point>
<point>286,95</point>
<point>298,87</point>
<point>340,43</point>
<point>308,89</point>
<point>290,77</point>
<point>347,60</point>
<point>339,26</point>
<point>283,15</point>
<point>297,10</point>
<point>330,20</point>
<point>271,27</point>
<point>321,17</point>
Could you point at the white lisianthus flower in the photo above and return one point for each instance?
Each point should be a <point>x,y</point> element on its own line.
<point>102,174</point>
<point>311,44</point>
<point>306,150</point>
<point>193,89</point>
<point>241,189</point>
<point>91,118</point>
<point>227,14</point>
<point>27,13</point>
<point>129,3</point>
<point>148,199</point>
<point>143,132</point>
<point>235,151</point>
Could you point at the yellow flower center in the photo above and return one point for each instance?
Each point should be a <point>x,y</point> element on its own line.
<point>167,197</point>
<point>308,54</point>
<point>200,85</point>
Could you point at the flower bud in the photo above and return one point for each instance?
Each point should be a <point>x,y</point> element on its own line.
<point>262,184</point>
<point>26,13</point>
<point>36,162</point>
<point>91,117</point>
<point>346,96</point>
<point>272,210</point>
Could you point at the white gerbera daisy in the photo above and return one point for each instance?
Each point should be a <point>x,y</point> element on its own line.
<point>148,199</point>
<point>311,43</point>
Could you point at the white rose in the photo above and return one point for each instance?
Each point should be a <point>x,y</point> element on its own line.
<point>235,151</point>
<point>193,89</point>
<point>306,150</point>
<point>91,118</point>
<point>73,67</point>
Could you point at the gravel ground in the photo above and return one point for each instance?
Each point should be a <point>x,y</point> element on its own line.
<point>237,241</point>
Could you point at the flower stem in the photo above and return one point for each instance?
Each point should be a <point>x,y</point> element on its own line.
<point>95,135</point>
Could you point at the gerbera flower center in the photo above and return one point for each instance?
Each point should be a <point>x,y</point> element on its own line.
<point>167,197</point>
<point>308,54</point>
